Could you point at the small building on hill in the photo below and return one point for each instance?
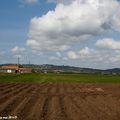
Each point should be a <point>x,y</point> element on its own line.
<point>14,69</point>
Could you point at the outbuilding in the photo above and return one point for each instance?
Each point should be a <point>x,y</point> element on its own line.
<point>15,69</point>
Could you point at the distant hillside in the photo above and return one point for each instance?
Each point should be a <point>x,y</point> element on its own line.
<point>47,67</point>
<point>69,69</point>
<point>114,70</point>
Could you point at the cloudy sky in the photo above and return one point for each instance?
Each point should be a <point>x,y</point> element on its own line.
<point>84,33</point>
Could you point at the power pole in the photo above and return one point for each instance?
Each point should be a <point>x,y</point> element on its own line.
<point>29,62</point>
<point>18,61</point>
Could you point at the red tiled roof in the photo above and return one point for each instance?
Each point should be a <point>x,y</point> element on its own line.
<point>15,67</point>
<point>25,69</point>
<point>10,67</point>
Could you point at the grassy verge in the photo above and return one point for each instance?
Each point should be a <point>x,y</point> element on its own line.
<point>57,78</point>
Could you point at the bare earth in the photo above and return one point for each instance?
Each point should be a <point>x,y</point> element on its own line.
<point>60,101</point>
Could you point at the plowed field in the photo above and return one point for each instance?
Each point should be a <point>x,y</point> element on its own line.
<point>57,101</point>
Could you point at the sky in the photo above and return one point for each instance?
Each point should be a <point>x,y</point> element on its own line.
<point>82,33</point>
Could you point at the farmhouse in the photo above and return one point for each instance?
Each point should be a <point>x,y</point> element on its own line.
<point>14,69</point>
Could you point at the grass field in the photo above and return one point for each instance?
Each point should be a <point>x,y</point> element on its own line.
<point>57,78</point>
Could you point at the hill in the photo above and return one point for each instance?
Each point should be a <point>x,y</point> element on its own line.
<point>67,69</point>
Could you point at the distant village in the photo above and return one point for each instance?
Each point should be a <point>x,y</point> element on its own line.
<point>47,68</point>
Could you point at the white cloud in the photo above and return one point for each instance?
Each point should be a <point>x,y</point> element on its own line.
<point>108,43</point>
<point>54,58</point>
<point>101,57</point>
<point>115,59</point>
<point>86,54</point>
<point>28,1</point>
<point>17,50</point>
<point>72,55</point>
<point>71,24</point>
<point>61,1</point>
<point>58,56</point>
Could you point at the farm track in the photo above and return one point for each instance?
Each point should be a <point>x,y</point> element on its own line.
<point>60,101</point>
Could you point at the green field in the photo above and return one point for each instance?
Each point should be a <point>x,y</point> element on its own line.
<point>54,78</point>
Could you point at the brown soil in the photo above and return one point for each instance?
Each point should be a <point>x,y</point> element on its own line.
<point>60,101</point>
